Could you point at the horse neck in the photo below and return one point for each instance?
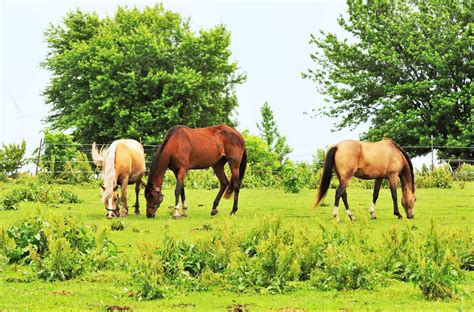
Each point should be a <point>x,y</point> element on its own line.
<point>109,172</point>
<point>159,171</point>
<point>406,181</point>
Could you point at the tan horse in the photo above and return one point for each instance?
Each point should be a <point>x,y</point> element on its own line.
<point>369,160</point>
<point>123,163</point>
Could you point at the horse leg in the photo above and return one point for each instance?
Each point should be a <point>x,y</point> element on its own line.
<point>183,200</point>
<point>393,189</point>
<point>137,192</point>
<point>177,191</point>
<point>377,185</point>
<point>220,173</point>
<point>346,204</point>
<point>339,192</point>
<point>124,210</point>
<point>236,186</point>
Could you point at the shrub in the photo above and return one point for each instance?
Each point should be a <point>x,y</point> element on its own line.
<point>117,225</point>
<point>148,279</point>
<point>58,247</point>
<point>292,178</point>
<point>61,160</point>
<point>33,191</point>
<point>12,158</point>
<point>438,177</point>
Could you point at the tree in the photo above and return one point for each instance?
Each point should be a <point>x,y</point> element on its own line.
<point>269,131</point>
<point>12,158</point>
<point>407,71</point>
<point>136,74</point>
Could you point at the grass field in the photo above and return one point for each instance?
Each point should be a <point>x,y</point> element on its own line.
<point>449,208</point>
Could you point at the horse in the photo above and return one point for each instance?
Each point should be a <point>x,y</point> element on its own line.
<point>123,163</point>
<point>369,160</point>
<point>185,149</point>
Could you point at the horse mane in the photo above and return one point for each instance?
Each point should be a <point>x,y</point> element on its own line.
<point>109,172</point>
<point>409,163</point>
<point>156,157</point>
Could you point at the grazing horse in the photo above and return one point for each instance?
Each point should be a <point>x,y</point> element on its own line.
<point>184,149</point>
<point>369,160</point>
<point>123,162</point>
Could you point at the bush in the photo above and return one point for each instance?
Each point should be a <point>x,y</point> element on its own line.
<point>117,225</point>
<point>148,279</point>
<point>33,191</point>
<point>271,258</point>
<point>61,160</point>
<point>438,177</point>
<point>58,247</point>
<point>12,158</point>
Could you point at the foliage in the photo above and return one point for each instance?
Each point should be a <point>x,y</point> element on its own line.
<point>276,143</point>
<point>147,68</point>
<point>58,247</point>
<point>438,177</point>
<point>406,69</point>
<point>61,159</point>
<point>12,158</point>
<point>117,225</point>
<point>35,191</point>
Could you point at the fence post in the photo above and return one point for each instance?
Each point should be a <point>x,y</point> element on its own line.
<point>39,156</point>
<point>432,153</point>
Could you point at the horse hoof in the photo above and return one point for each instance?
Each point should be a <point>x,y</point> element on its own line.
<point>137,213</point>
<point>214,212</point>
<point>373,217</point>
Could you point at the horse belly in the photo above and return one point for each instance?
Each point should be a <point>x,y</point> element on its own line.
<point>367,175</point>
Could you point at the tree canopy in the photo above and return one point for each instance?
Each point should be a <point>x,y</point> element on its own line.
<point>406,69</point>
<point>136,74</point>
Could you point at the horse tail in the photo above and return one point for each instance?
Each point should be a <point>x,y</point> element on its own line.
<point>243,165</point>
<point>97,156</point>
<point>325,181</point>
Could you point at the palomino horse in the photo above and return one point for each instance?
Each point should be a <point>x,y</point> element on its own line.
<point>366,160</point>
<point>184,149</point>
<point>123,162</point>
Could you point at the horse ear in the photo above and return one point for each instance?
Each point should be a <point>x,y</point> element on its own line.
<point>102,187</point>
<point>115,188</point>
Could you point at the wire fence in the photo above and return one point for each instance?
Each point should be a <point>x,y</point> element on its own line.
<point>150,149</point>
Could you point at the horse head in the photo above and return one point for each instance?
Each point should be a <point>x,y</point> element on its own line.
<point>154,197</point>
<point>408,203</point>
<point>110,200</point>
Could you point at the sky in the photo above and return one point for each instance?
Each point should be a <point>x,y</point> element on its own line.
<point>270,42</point>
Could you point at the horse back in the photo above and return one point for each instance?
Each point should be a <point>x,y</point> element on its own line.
<point>130,160</point>
<point>368,160</point>
<point>195,148</point>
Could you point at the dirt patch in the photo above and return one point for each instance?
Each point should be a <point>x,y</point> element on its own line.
<point>183,305</point>
<point>117,308</point>
<point>62,293</point>
<point>238,308</point>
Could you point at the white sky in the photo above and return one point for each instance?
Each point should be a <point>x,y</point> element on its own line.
<point>269,41</point>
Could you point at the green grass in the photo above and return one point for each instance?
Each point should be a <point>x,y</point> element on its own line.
<point>451,208</point>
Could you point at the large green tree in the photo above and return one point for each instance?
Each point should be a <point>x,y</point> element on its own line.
<point>406,70</point>
<point>136,74</point>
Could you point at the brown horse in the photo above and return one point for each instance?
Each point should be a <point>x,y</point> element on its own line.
<point>123,162</point>
<point>184,149</point>
<point>366,160</point>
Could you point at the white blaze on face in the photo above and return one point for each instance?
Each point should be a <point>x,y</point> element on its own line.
<point>110,207</point>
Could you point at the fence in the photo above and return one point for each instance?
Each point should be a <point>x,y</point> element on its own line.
<point>151,148</point>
